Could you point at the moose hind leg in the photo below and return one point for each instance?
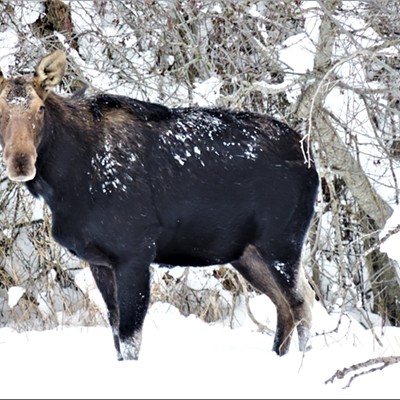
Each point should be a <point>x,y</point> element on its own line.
<point>284,265</point>
<point>288,290</point>
<point>283,261</point>
<point>255,270</point>
<point>302,309</point>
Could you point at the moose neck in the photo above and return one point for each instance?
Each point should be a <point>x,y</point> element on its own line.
<point>91,144</point>
<point>59,163</point>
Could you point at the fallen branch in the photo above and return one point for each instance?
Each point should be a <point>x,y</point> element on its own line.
<point>371,364</point>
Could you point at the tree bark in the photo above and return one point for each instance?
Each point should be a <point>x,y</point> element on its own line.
<point>382,271</point>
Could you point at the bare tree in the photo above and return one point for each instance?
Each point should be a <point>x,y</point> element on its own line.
<point>228,53</point>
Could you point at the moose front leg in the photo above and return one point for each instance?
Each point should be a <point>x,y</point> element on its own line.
<point>133,283</point>
<point>106,283</point>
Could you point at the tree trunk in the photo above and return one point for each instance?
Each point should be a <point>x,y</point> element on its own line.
<point>382,271</point>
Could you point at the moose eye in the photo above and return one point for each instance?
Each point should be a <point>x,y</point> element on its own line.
<point>41,109</point>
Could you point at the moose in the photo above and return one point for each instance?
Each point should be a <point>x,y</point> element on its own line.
<point>130,183</point>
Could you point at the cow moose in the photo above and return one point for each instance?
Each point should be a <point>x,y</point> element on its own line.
<point>130,183</point>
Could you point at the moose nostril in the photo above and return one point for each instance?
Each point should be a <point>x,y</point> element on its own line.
<point>20,161</point>
<point>21,166</point>
<point>20,157</point>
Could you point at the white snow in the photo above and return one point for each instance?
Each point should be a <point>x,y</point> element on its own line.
<point>206,93</point>
<point>185,358</point>
<point>14,294</point>
<point>391,245</point>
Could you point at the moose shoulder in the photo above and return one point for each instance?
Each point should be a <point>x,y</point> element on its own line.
<point>130,183</point>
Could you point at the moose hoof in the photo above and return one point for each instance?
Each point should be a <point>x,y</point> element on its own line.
<point>130,348</point>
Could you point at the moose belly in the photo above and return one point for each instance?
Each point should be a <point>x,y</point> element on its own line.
<point>205,240</point>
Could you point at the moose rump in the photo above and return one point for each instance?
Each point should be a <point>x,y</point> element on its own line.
<point>130,183</point>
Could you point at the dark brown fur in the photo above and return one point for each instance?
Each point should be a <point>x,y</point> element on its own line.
<point>130,183</point>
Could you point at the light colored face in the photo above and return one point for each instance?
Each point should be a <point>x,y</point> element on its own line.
<point>21,123</point>
<point>22,114</point>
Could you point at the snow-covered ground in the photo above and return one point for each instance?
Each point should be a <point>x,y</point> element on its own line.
<point>183,357</point>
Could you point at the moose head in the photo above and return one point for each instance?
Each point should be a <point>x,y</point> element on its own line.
<point>22,110</point>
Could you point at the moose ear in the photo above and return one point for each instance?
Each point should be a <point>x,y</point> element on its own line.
<point>50,70</point>
<point>2,80</point>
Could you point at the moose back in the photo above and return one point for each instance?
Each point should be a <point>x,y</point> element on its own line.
<point>129,183</point>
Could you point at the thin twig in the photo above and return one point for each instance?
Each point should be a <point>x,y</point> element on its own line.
<point>341,373</point>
